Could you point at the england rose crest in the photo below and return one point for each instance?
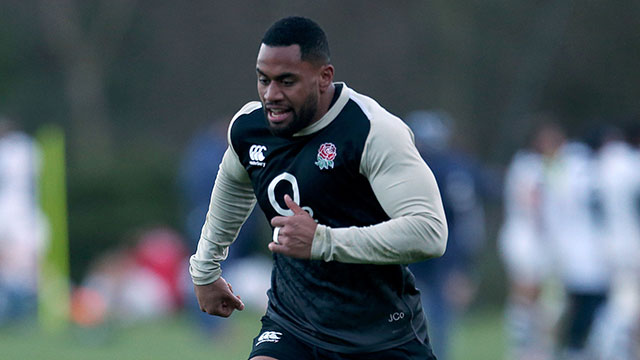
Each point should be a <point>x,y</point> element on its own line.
<point>326,154</point>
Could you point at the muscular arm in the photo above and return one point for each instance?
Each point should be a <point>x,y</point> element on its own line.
<point>231,203</point>
<point>406,188</point>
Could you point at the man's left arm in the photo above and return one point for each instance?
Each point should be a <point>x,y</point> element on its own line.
<point>407,191</point>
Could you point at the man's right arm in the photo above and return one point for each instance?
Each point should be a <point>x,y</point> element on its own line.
<point>232,200</point>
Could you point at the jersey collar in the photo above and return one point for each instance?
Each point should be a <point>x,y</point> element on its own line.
<point>330,115</point>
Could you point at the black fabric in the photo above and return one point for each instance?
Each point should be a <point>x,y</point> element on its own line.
<point>283,345</point>
<point>337,306</point>
<point>583,308</point>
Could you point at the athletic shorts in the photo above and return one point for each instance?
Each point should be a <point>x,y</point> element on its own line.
<point>276,342</point>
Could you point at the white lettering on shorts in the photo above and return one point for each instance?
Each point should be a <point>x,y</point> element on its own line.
<point>396,316</point>
<point>269,336</point>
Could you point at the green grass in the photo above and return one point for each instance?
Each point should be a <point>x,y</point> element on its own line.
<point>479,336</point>
<point>167,338</point>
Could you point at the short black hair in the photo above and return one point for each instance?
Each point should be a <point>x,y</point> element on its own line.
<point>301,31</point>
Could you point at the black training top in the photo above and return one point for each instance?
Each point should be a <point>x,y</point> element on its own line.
<point>343,307</point>
<point>357,172</point>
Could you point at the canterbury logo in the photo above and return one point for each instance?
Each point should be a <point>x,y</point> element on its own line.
<point>269,336</point>
<point>256,154</point>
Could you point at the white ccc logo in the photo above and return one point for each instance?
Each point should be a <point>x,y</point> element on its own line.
<point>256,152</point>
<point>269,336</point>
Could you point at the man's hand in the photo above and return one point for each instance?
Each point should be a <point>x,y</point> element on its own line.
<point>217,298</point>
<point>296,232</point>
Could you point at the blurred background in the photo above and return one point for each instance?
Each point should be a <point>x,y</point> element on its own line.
<point>112,123</point>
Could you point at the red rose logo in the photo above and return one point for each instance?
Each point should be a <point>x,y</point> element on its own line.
<point>326,154</point>
<point>327,151</point>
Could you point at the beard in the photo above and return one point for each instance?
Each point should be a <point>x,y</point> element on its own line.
<point>302,117</point>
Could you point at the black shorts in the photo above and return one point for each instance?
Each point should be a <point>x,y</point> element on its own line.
<point>276,342</point>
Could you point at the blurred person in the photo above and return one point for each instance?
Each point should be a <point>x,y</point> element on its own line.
<point>448,284</point>
<point>572,222</point>
<point>197,172</point>
<point>350,200</point>
<point>134,283</point>
<point>197,175</point>
<point>524,247</point>
<point>22,224</point>
<point>618,171</point>
<point>161,250</point>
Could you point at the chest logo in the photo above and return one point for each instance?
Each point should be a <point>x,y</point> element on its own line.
<point>326,154</point>
<point>256,155</point>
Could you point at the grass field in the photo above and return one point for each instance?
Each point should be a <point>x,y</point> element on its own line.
<point>478,337</point>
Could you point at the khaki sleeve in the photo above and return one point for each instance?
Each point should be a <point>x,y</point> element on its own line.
<point>232,200</point>
<point>407,190</point>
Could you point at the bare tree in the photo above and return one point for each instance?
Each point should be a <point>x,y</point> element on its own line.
<point>84,53</point>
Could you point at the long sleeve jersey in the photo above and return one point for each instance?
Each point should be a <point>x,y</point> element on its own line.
<point>378,208</point>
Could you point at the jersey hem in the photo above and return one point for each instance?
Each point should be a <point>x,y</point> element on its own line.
<point>312,341</point>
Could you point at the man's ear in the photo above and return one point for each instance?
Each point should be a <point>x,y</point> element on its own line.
<point>326,77</point>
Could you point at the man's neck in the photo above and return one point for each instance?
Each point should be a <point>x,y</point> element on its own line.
<point>325,101</point>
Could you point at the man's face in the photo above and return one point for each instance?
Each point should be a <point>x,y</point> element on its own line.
<point>288,88</point>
